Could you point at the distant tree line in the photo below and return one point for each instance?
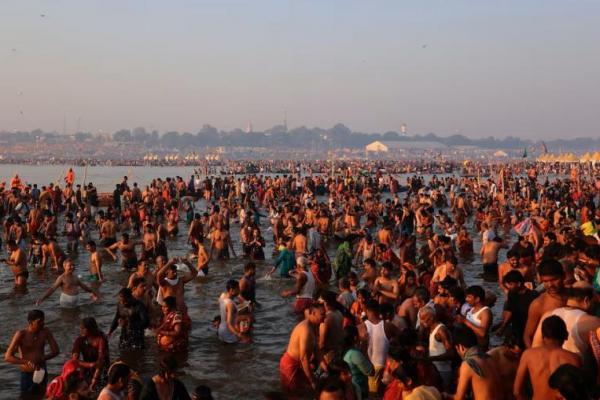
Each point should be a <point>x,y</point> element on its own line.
<point>339,136</point>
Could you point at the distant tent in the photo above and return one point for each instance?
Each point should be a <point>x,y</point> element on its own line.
<point>500,153</point>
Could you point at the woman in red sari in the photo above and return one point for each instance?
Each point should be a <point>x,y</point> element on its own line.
<point>172,334</point>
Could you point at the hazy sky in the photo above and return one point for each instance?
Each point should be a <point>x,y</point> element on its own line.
<point>479,68</point>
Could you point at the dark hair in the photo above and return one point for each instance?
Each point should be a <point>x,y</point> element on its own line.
<point>372,305</point>
<point>513,276</point>
<point>90,324</point>
<point>170,302</point>
<point>458,293</point>
<point>118,371</point>
<point>138,281</point>
<point>551,235</point>
<point>422,294</point>
<point>569,381</point>
<point>370,262</point>
<point>167,364</point>
<point>34,315</point>
<point>330,384</point>
<point>512,253</point>
<point>126,292</point>
<point>232,284</point>
<point>555,328</point>
<point>91,243</point>
<point>249,266</point>
<point>464,336</point>
<point>345,283</point>
<point>476,291</point>
<point>407,373</point>
<point>550,267</point>
<point>387,265</point>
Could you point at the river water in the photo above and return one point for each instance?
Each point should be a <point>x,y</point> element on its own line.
<point>232,371</point>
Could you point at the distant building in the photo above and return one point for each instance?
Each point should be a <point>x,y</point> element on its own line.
<point>379,147</point>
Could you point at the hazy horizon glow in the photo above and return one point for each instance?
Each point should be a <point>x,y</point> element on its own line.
<point>527,69</point>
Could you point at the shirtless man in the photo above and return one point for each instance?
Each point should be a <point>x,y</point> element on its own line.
<point>489,255</point>
<point>30,343</point>
<point>127,249</point>
<point>51,251</point>
<point>331,331</point>
<point>540,362</point>
<point>295,369</point>
<point>150,241</point>
<point>203,259</point>
<point>552,276</point>
<point>512,263</point>
<point>477,371</point>
<point>196,231</point>
<point>108,232</point>
<point>506,358</point>
<point>142,272</point>
<point>384,287</point>
<point>221,243</point>
<point>170,284</point>
<point>69,284</point>
<point>95,276</point>
<point>17,261</point>
<point>298,242</point>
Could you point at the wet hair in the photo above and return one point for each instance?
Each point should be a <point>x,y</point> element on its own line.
<point>422,294</point>
<point>407,373</point>
<point>513,276</point>
<point>448,282</point>
<point>512,253</point>
<point>90,324</point>
<point>249,266</point>
<point>167,364</point>
<point>550,267</point>
<point>372,305</point>
<point>232,284</point>
<point>555,328</point>
<point>34,315</point>
<point>125,235</point>
<point>476,291</point>
<point>126,293</point>
<point>118,371</point>
<point>11,243</point>
<point>464,336</point>
<point>569,381</point>
<point>387,265</point>
<point>316,306</point>
<point>331,384</point>
<point>170,302</point>
<point>91,243</point>
<point>365,293</point>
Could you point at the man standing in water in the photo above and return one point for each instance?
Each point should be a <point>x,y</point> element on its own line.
<point>95,275</point>
<point>69,284</point>
<point>17,261</point>
<point>294,367</point>
<point>30,343</point>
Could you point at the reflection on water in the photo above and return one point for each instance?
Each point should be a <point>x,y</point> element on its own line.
<point>232,371</point>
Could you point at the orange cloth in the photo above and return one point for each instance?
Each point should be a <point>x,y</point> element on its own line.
<point>291,374</point>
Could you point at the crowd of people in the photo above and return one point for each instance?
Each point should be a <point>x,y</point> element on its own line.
<point>377,271</point>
